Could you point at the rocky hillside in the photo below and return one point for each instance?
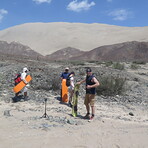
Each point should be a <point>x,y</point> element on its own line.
<point>15,49</point>
<point>46,38</point>
<point>127,51</point>
<point>65,54</point>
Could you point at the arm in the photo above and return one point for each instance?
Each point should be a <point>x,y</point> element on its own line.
<point>23,77</point>
<point>81,81</point>
<point>61,76</point>
<point>72,82</point>
<point>95,85</point>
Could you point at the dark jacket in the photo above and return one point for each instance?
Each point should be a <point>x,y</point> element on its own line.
<point>89,82</point>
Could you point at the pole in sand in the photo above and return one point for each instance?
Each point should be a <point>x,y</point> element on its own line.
<point>45,114</point>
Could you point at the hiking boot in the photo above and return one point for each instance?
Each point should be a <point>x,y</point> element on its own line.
<point>26,98</point>
<point>91,118</point>
<point>87,116</point>
<point>69,104</point>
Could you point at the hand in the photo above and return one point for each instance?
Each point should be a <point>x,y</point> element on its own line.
<point>27,85</point>
<point>88,87</point>
<point>78,83</point>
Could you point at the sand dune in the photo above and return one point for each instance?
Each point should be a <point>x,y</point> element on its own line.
<point>47,38</point>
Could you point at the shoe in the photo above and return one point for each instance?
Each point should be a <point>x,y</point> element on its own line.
<point>69,104</point>
<point>26,98</point>
<point>87,116</point>
<point>91,118</point>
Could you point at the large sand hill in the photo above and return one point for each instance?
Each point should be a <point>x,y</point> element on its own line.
<point>46,38</point>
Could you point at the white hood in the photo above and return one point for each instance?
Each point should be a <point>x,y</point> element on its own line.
<point>25,69</point>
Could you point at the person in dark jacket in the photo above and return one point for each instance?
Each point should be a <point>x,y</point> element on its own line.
<point>91,84</point>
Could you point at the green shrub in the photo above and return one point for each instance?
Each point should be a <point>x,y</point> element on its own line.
<point>109,63</point>
<point>134,66</point>
<point>55,83</point>
<point>111,86</point>
<point>92,61</point>
<point>76,63</point>
<point>119,66</point>
<point>139,62</point>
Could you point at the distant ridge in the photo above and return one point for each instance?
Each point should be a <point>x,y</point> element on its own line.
<point>17,50</point>
<point>46,38</point>
<point>127,51</point>
<point>65,54</point>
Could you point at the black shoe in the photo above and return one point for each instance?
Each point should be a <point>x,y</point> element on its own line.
<point>69,104</point>
<point>87,116</point>
<point>26,98</point>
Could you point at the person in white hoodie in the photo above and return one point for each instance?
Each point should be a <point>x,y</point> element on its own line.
<point>71,88</point>
<point>23,78</point>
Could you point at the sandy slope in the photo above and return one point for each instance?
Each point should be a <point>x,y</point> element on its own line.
<point>46,38</point>
<point>112,128</point>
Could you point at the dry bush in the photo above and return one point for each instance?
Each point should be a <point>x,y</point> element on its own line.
<point>118,65</point>
<point>134,66</point>
<point>139,62</point>
<point>55,83</point>
<point>108,63</point>
<point>111,86</point>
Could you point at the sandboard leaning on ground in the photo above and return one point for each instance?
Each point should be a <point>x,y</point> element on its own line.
<point>21,85</point>
<point>64,91</point>
<point>75,100</point>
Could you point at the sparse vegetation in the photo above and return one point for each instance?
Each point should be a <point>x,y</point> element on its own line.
<point>118,65</point>
<point>111,86</point>
<point>76,63</point>
<point>109,63</point>
<point>134,66</point>
<point>55,83</point>
<point>139,62</point>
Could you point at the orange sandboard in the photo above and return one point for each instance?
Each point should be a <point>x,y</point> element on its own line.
<point>64,91</point>
<point>21,85</point>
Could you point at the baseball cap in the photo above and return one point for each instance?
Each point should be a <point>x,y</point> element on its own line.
<point>66,68</point>
<point>88,70</point>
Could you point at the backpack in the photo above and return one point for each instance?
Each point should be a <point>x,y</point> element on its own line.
<point>17,79</point>
<point>68,81</point>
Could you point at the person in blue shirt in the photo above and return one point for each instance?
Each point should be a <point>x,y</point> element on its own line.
<point>65,74</point>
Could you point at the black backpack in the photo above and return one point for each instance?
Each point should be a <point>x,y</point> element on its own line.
<point>68,81</point>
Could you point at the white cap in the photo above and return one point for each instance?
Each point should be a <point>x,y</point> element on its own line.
<point>25,69</point>
<point>66,68</point>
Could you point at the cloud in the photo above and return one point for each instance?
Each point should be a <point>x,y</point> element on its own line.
<point>42,1</point>
<point>2,13</point>
<point>80,6</point>
<point>120,14</point>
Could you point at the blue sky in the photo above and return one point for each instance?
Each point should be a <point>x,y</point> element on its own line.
<point>131,13</point>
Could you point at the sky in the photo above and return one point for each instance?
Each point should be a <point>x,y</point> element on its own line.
<point>129,13</point>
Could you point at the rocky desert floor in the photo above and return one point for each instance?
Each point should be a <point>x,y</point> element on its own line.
<point>120,121</point>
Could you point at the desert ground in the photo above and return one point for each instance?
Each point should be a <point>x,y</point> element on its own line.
<point>120,121</point>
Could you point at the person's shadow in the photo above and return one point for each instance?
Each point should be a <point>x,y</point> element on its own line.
<point>78,116</point>
<point>61,102</point>
<point>64,103</point>
<point>59,99</point>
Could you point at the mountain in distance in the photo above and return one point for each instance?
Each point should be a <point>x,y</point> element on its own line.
<point>127,51</point>
<point>17,50</point>
<point>46,38</point>
<point>65,54</point>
